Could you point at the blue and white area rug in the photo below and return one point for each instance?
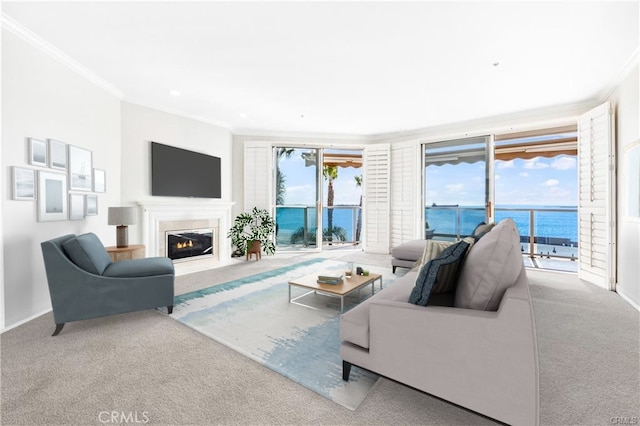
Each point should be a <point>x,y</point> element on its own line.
<point>254,317</point>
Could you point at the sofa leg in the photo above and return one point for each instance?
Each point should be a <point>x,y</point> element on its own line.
<point>58,329</point>
<point>393,269</point>
<point>346,370</point>
<point>170,309</point>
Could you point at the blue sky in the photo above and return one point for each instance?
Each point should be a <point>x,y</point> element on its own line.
<point>539,181</point>
<point>300,183</point>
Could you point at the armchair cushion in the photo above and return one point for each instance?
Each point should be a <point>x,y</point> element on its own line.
<point>147,267</point>
<point>88,253</point>
<point>492,266</point>
<point>439,275</point>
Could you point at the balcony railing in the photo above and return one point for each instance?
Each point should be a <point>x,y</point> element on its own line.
<point>544,232</point>
<point>296,225</point>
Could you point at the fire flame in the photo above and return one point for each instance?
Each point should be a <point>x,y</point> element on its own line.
<point>185,244</point>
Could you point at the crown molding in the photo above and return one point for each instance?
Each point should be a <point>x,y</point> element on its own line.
<point>552,116</point>
<point>44,46</point>
<point>633,61</point>
<point>179,113</point>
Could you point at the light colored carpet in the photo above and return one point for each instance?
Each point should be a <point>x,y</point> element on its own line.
<point>253,316</point>
<point>146,362</point>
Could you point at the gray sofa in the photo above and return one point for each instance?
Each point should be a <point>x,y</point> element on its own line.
<point>476,347</point>
<point>405,255</point>
<point>84,283</point>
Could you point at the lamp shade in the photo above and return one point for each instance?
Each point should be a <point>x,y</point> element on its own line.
<point>122,215</point>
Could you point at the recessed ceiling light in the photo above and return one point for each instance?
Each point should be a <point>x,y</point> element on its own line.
<point>174,92</point>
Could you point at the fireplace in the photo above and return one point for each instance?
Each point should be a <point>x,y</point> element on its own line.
<point>189,244</point>
<point>158,218</point>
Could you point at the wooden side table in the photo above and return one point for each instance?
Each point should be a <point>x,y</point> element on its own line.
<point>133,251</point>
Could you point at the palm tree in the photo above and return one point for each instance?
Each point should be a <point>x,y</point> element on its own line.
<point>358,180</point>
<point>280,178</point>
<point>330,173</point>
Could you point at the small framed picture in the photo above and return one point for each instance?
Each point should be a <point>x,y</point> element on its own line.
<point>91,205</point>
<point>24,184</point>
<point>52,196</point>
<point>37,152</point>
<point>80,169</point>
<point>57,155</point>
<point>99,180</point>
<point>76,206</point>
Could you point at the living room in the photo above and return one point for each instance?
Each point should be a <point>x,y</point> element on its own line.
<point>48,94</point>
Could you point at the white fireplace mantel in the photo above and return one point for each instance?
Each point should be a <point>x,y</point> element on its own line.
<point>154,213</point>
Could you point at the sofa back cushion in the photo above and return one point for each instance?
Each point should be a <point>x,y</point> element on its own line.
<point>88,253</point>
<point>492,266</point>
<point>438,275</point>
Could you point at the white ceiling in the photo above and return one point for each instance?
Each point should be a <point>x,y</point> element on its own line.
<point>343,67</point>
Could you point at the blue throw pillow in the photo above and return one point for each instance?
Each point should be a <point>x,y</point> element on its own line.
<point>441,272</point>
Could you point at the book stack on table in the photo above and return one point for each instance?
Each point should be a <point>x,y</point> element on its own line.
<point>329,279</point>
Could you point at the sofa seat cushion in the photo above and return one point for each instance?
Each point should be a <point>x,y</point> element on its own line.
<point>354,324</point>
<point>411,250</point>
<point>147,267</point>
<point>492,266</point>
<point>87,252</point>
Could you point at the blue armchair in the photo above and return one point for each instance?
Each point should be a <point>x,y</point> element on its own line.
<point>84,283</point>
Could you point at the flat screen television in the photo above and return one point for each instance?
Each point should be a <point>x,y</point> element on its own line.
<point>177,172</point>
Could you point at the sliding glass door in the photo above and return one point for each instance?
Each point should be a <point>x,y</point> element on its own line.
<point>297,198</point>
<point>458,187</point>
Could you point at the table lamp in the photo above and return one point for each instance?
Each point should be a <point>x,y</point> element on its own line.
<point>121,217</point>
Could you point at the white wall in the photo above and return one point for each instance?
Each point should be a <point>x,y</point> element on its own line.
<point>140,126</point>
<point>43,98</point>
<point>626,103</point>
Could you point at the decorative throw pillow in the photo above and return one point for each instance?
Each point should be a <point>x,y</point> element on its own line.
<point>481,230</point>
<point>438,274</point>
<point>88,253</point>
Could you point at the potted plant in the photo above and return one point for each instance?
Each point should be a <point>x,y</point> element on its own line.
<point>255,227</point>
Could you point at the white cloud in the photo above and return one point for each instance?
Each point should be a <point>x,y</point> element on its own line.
<point>524,174</point>
<point>564,163</point>
<point>535,164</point>
<point>454,187</point>
<point>551,182</point>
<point>497,177</point>
<point>476,179</point>
<point>505,164</point>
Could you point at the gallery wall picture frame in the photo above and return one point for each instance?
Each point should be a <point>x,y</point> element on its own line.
<point>57,155</point>
<point>99,180</point>
<point>37,152</point>
<point>76,206</point>
<point>631,173</point>
<point>91,203</point>
<point>52,196</point>
<point>80,169</point>
<point>24,183</point>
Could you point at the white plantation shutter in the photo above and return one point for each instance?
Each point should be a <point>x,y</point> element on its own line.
<point>376,198</point>
<point>257,175</point>
<point>405,198</point>
<point>596,201</point>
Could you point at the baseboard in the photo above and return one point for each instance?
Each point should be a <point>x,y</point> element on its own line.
<point>24,321</point>
<point>628,299</point>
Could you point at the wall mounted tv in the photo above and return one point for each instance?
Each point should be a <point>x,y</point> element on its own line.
<point>177,172</point>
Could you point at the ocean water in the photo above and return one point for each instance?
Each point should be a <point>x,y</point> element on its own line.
<point>561,223</point>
